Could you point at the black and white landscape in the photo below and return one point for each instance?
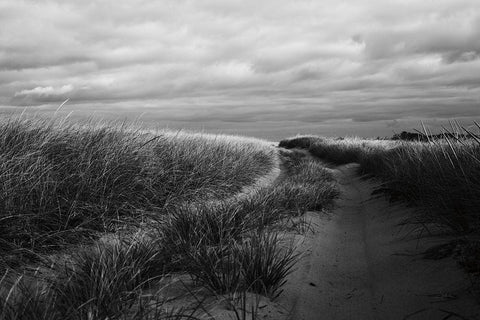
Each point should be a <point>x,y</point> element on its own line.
<point>227,159</point>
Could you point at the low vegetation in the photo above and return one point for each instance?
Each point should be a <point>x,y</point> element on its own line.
<point>155,207</point>
<point>62,182</point>
<point>440,176</point>
<point>224,245</point>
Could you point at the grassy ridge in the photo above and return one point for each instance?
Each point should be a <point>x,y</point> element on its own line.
<point>215,243</point>
<point>441,176</point>
<point>230,246</point>
<point>60,181</point>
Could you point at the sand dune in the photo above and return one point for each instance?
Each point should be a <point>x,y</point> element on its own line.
<point>360,264</point>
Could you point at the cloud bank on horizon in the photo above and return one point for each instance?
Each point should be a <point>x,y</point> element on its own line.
<point>245,60</point>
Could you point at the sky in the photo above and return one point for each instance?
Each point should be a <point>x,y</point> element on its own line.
<point>267,68</point>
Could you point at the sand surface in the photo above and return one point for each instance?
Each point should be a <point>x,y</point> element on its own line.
<point>359,264</point>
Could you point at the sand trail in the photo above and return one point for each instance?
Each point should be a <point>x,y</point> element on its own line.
<point>360,264</point>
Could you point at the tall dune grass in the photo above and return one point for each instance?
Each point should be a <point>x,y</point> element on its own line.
<point>230,246</point>
<point>442,177</point>
<point>60,182</point>
<point>233,246</point>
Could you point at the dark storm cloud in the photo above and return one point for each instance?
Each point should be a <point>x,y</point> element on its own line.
<point>245,61</point>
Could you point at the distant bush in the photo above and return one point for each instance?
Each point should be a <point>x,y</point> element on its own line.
<point>419,136</point>
<point>303,142</point>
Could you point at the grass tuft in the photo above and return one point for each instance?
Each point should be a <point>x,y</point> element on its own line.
<point>266,263</point>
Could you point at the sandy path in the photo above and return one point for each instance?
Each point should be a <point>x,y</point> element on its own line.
<point>359,264</point>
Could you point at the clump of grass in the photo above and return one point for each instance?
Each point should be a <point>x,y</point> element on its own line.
<point>202,240</point>
<point>217,267</point>
<point>308,186</point>
<point>21,298</point>
<point>107,281</point>
<point>299,198</point>
<point>206,223</point>
<point>196,233</point>
<point>266,263</point>
<point>258,263</point>
<point>301,142</point>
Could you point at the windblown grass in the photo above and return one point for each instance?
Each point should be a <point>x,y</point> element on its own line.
<point>307,186</point>
<point>232,246</point>
<point>442,177</point>
<point>60,182</point>
<point>105,281</point>
<point>108,281</point>
<point>265,264</point>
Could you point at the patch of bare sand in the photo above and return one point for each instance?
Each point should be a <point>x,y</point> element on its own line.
<point>360,264</point>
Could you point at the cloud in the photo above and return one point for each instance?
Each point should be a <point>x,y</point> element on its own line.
<point>44,94</point>
<point>245,61</point>
<point>46,91</point>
